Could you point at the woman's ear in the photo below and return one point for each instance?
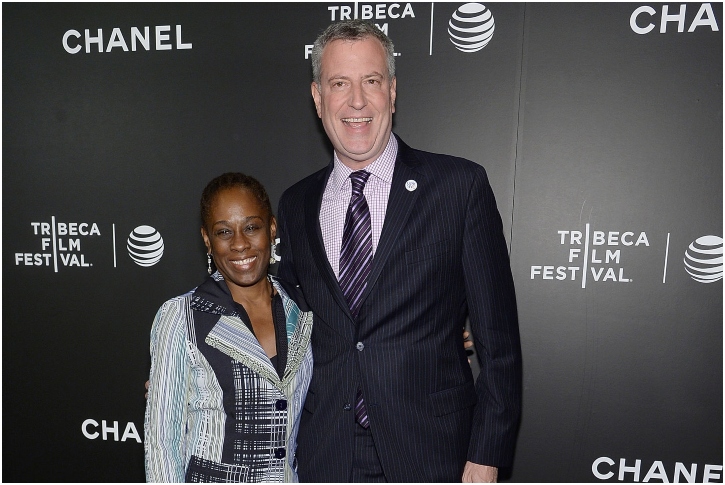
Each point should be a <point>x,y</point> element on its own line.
<point>205,237</point>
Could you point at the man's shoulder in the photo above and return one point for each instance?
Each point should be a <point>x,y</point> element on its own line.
<point>296,194</point>
<point>299,189</point>
<point>439,162</point>
<point>449,170</point>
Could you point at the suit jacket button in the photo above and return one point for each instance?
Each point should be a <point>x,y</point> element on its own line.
<point>280,453</point>
<point>360,346</point>
<point>347,407</point>
<point>280,405</point>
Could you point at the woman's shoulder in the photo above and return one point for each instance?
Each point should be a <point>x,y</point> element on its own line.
<point>177,301</point>
<point>174,310</point>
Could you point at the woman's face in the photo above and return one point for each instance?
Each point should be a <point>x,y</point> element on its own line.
<point>238,234</point>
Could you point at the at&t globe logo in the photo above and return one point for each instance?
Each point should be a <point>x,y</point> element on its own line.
<point>471,27</point>
<point>145,246</point>
<point>703,259</point>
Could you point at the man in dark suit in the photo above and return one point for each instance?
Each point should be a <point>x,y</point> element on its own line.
<point>393,248</point>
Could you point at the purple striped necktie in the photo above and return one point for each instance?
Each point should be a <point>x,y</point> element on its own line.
<point>356,256</point>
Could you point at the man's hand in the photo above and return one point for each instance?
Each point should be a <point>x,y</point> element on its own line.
<point>467,343</point>
<point>147,389</point>
<point>474,473</point>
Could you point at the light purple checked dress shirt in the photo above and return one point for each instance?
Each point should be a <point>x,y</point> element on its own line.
<point>337,196</point>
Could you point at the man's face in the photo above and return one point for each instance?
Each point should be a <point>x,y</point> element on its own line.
<point>355,100</point>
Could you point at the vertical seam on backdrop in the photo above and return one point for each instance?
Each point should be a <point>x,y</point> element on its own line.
<point>430,48</point>
<point>522,70</point>
<point>114,244</point>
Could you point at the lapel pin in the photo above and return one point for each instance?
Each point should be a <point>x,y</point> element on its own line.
<point>411,185</point>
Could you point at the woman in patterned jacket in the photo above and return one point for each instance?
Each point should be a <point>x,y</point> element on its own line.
<point>230,360</point>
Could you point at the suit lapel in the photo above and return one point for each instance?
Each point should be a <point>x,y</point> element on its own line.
<point>299,329</point>
<point>400,202</point>
<point>313,202</point>
<point>233,338</point>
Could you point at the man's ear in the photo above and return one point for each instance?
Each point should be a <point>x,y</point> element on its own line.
<point>317,96</point>
<point>273,228</point>
<point>393,84</point>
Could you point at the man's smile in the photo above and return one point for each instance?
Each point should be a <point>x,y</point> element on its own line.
<point>356,120</point>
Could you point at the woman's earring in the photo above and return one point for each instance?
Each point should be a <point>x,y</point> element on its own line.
<point>208,263</point>
<point>274,257</point>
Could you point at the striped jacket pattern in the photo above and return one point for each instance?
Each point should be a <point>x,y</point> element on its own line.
<point>217,410</point>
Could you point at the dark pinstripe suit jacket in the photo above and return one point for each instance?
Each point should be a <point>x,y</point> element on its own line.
<point>441,257</point>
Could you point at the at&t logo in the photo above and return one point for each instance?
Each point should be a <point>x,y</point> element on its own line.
<point>145,246</point>
<point>471,27</point>
<point>703,259</point>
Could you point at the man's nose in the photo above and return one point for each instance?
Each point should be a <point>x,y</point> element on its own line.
<point>358,99</point>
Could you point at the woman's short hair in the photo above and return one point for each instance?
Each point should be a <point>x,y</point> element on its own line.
<point>231,180</point>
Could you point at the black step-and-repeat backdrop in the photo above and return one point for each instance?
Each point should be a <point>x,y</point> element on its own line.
<point>600,126</point>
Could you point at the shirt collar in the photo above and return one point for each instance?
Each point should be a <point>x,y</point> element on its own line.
<point>382,167</point>
<point>213,296</point>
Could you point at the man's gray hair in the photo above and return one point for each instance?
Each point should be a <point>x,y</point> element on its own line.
<point>350,30</point>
